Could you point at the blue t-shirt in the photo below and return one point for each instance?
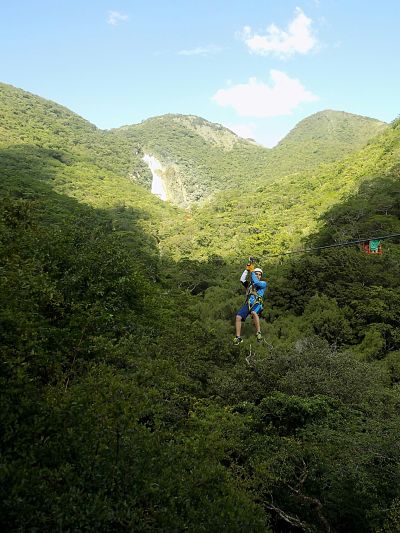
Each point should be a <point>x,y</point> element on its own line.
<point>259,286</point>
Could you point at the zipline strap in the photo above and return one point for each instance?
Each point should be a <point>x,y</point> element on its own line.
<point>257,298</point>
<point>337,245</point>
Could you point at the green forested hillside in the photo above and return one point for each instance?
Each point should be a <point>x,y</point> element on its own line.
<point>198,157</point>
<point>45,147</point>
<point>29,119</point>
<point>269,218</point>
<point>201,158</point>
<point>124,405</point>
<point>323,137</point>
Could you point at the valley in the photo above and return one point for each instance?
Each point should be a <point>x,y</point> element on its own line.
<point>125,405</point>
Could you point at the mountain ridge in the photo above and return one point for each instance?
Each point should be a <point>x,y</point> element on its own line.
<point>199,165</point>
<point>200,158</point>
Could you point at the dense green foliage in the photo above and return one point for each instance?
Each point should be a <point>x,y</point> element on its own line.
<point>124,405</point>
<point>200,158</point>
<point>29,119</point>
<point>323,137</point>
<point>271,218</point>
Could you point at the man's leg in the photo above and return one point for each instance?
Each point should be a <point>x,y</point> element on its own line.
<point>256,320</point>
<point>240,316</point>
<point>238,325</point>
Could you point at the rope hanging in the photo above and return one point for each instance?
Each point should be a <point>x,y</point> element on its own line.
<point>336,245</point>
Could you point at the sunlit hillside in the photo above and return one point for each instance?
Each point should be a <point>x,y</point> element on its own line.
<point>44,148</point>
<point>200,158</point>
<point>277,216</point>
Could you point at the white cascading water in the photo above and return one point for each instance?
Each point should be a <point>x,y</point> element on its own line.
<point>157,185</point>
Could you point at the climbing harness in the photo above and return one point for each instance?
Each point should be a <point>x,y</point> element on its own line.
<point>251,290</point>
<point>257,298</point>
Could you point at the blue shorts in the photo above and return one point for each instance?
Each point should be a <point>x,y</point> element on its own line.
<point>244,311</point>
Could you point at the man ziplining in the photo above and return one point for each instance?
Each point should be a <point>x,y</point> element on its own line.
<point>254,301</point>
<point>256,288</point>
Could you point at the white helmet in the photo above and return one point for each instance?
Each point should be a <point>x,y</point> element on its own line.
<point>258,270</point>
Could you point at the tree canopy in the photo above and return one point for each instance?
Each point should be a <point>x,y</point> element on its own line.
<point>125,406</point>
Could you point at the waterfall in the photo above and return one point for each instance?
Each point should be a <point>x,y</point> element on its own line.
<point>157,185</point>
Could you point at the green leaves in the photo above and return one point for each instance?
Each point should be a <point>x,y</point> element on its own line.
<point>124,405</point>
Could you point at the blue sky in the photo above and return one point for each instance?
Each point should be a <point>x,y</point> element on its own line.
<point>255,66</point>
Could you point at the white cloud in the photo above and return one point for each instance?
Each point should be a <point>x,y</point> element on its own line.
<point>297,39</point>
<point>258,99</point>
<point>115,17</point>
<point>200,51</point>
<point>246,131</point>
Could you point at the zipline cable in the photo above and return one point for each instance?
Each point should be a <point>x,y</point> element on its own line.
<point>336,245</point>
